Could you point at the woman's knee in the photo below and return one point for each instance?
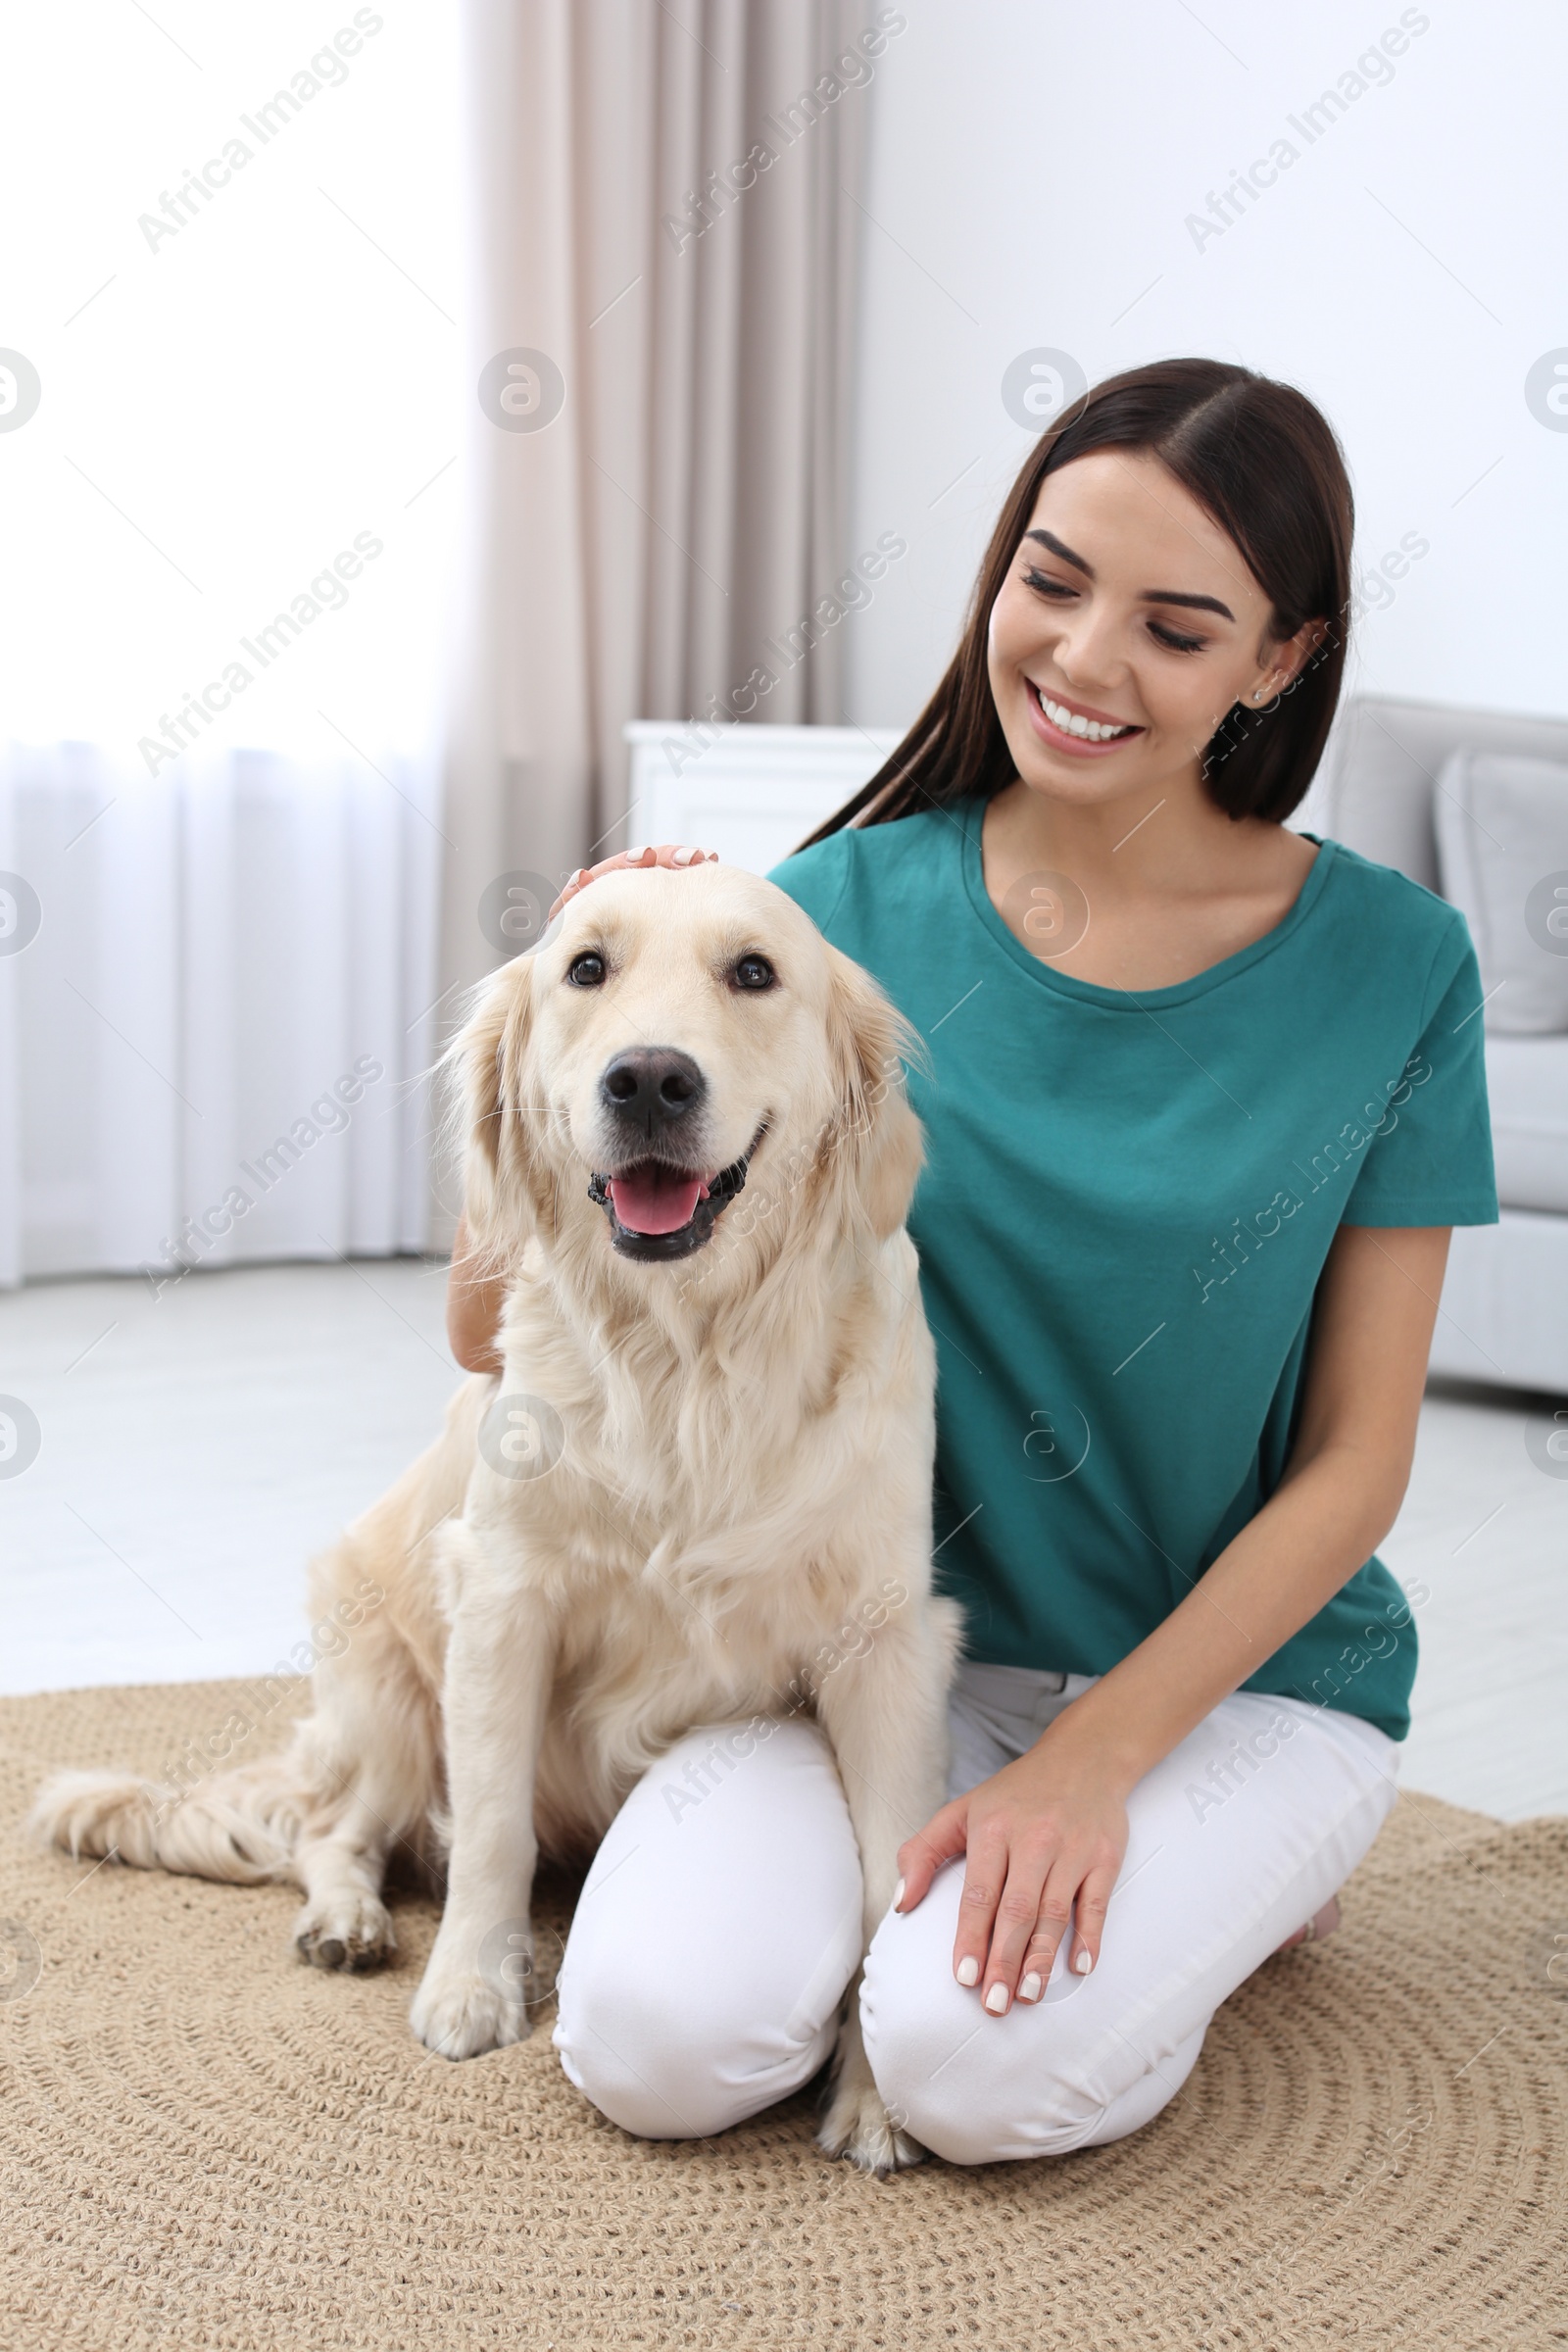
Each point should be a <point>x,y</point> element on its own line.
<point>651,2058</point>
<point>970,2113</point>
<point>712,1942</point>
<point>1046,2079</point>
<point>1012,2103</point>
<point>670,2057</point>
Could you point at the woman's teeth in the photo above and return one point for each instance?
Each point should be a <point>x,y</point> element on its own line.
<point>1073,723</point>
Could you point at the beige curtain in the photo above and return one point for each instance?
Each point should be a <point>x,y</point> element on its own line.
<point>669,219</point>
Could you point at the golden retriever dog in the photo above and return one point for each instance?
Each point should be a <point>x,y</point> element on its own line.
<point>709,1452</point>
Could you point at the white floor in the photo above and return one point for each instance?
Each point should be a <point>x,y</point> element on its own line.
<point>204,1445</point>
<point>198,1446</point>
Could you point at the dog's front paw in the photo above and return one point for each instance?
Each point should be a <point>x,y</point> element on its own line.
<point>855,2122</point>
<point>459,2012</point>
<point>349,1930</point>
<point>858,2125</point>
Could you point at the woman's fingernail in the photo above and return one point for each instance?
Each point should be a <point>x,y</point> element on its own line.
<point>681,856</point>
<point>635,856</point>
<point>1084,1963</point>
<point>997,1999</point>
<point>898,1894</point>
<point>1029,1990</point>
<point>969,1970</point>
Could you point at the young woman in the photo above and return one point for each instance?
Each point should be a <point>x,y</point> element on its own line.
<point>1203,1097</point>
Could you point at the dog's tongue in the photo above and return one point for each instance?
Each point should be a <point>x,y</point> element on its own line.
<point>655,1199</point>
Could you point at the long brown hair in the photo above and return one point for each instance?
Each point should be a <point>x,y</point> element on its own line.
<point>1265,462</point>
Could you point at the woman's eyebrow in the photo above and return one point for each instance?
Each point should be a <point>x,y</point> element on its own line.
<point>1050,539</point>
<point>1151,596</point>
<point>1178,596</point>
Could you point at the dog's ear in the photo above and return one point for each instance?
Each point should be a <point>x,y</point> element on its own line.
<point>495,1128</point>
<point>875,1137</point>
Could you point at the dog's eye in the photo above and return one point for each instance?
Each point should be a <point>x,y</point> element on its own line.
<point>586,971</point>
<point>752,971</point>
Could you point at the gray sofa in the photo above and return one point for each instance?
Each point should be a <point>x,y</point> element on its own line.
<point>1504,1317</point>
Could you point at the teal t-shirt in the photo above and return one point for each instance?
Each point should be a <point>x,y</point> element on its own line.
<point>1126,1206</point>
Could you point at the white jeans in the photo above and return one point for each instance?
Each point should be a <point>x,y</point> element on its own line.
<point>714,1938</point>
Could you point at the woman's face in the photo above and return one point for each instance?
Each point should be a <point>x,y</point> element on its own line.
<point>1126,612</point>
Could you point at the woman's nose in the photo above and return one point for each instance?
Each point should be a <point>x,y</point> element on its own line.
<point>1087,649</point>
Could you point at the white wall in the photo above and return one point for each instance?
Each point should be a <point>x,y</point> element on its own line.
<point>1032,166</point>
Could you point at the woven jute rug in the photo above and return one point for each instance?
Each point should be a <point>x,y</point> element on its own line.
<point>204,2144</point>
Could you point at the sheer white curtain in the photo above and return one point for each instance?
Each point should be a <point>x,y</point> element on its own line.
<point>215,1010</point>
<point>663,289</point>
<point>227,520</point>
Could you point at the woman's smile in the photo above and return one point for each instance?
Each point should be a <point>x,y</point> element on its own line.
<point>1069,726</point>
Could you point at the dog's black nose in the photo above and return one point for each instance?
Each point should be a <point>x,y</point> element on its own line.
<point>653,1086</point>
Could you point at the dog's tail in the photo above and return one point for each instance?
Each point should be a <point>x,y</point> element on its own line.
<point>242,1825</point>
<point>375,1724</point>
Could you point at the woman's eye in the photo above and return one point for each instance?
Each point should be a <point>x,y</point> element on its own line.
<point>586,971</point>
<point>1043,585</point>
<point>752,971</point>
<point>1174,640</point>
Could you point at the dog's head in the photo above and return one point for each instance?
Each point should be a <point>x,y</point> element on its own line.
<point>682,1039</point>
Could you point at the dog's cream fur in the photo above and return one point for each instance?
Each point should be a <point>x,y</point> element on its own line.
<point>745,1442</point>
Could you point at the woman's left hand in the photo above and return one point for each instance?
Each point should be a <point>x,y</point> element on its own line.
<point>1043,1840</point>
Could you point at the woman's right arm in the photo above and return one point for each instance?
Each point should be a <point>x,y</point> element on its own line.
<point>475,1301</point>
